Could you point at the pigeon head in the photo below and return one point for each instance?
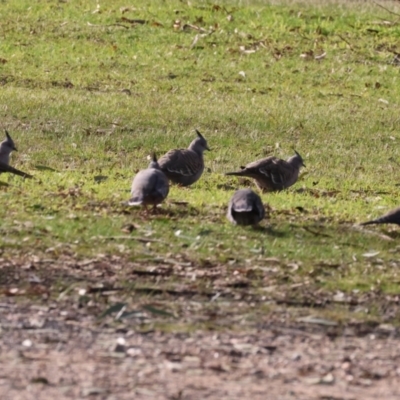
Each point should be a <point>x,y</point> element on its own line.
<point>296,160</point>
<point>7,145</point>
<point>199,145</point>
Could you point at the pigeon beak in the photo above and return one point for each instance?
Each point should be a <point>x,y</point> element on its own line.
<point>15,149</point>
<point>207,148</point>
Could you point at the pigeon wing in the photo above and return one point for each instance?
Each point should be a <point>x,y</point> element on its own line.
<point>181,162</point>
<point>148,183</point>
<point>279,172</point>
<point>142,185</point>
<point>161,184</point>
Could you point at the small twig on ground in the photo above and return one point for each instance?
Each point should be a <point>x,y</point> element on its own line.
<point>346,41</point>
<point>179,203</point>
<point>316,233</point>
<point>106,26</point>
<point>389,11</point>
<point>139,239</point>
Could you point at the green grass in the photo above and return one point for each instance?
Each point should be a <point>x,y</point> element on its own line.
<point>90,93</point>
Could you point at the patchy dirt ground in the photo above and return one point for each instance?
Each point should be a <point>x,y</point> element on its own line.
<point>64,337</point>
<point>73,360</point>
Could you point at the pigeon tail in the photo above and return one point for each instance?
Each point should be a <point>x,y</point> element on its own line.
<point>382,220</point>
<point>236,173</point>
<point>8,168</point>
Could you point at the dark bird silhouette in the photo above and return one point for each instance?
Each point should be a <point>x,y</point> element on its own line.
<point>392,217</point>
<point>7,146</point>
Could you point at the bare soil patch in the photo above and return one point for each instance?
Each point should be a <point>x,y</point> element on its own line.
<point>179,342</point>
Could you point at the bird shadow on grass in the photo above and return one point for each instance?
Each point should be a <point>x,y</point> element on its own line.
<point>270,231</point>
<point>167,210</point>
<point>173,212</point>
<point>227,187</point>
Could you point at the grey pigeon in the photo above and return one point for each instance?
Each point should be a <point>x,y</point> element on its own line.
<point>273,174</point>
<point>6,147</point>
<point>185,166</point>
<point>245,208</point>
<point>150,186</point>
<point>392,217</point>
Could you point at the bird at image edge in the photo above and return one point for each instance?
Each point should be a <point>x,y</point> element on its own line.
<point>392,217</point>
<point>6,148</point>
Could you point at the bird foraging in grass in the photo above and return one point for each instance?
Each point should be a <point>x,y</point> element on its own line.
<point>273,174</point>
<point>245,208</point>
<point>6,148</point>
<point>150,186</point>
<point>185,166</point>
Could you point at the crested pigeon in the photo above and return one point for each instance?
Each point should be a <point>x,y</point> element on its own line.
<point>273,174</point>
<point>150,186</point>
<point>245,208</point>
<point>392,217</point>
<point>6,147</point>
<point>185,166</point>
